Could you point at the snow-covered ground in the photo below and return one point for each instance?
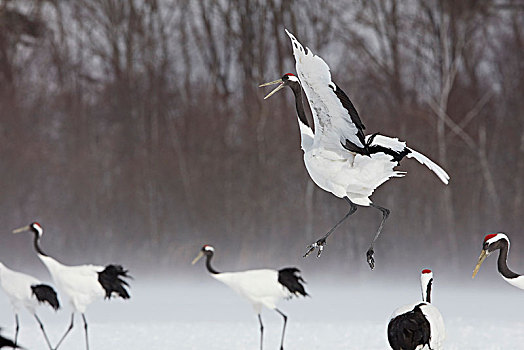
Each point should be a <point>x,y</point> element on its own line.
<point>203,314</point>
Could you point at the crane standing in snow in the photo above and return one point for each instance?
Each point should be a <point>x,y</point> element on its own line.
<point>338,156</point>
<point>83,284</point>
<point>264,287</point>
<point>28,292</point>
<point>418,325</point>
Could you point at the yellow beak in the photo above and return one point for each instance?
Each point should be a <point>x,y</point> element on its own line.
<point>200,255</point>
<point>482,256</point>
<point>22,229</point>
<point>278,81</point>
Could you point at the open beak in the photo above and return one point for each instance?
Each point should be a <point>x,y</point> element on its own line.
<point>22,229</point>
<point>482,256</point>
<point>200,254</point>
<point>281,86</point>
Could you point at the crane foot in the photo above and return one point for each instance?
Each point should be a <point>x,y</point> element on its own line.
<point>318,244</point>
<point>370,257</point>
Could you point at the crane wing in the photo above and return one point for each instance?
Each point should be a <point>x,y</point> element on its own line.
<point>336,120</point>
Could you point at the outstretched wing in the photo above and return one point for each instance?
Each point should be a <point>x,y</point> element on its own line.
<point>337,122</point>
<point>398,149</point>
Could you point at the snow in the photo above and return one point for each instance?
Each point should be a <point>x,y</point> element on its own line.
<point>204,314</point>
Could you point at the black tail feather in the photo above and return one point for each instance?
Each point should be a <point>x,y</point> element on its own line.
<point>4,342</point>
<point>46,294</point>
<point>290,278</point>
<point>370,149</point>
<point>111,281</point>
<point>409,330</point>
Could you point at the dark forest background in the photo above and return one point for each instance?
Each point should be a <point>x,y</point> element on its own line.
<point>135,131</point>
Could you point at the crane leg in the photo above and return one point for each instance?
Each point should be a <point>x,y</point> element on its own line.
<point>17,328</point>
<point>321,242</point>
<point>261,331</point>
<point>67,331</point>
<point>85,329</point>
<point>370,253</point>
<point>283,328</point>
<point>43,331</point>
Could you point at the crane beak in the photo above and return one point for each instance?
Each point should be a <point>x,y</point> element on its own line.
<point>22,229</point>
<point>200,255</point>
<point>483,255</point>
<point>281,86</point>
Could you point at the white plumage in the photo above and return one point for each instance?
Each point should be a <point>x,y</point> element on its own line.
<point>82,284</point>
<point>26,292</point>
<point>418,325</point>
<point>262,287</point>
<point>79,283</point>
<point>329,163</point>
<point>17,286</point>
<point>338,156</point>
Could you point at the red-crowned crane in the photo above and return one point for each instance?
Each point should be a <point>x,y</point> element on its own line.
<point>27,292</point>
<point>418,325</point>
<point>338,156</point>
<point>82,284</point>
<point>264,287</point>
<point>499,241</point>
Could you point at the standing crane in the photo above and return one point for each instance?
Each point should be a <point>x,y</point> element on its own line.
<point>499,241</point>
<point>27,292</point>
<point>418,325</point>
<point>83,284</point>
<point>264,287</point>
<point>338,156</point>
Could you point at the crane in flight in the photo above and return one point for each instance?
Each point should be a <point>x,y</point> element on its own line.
<point>338,156</point>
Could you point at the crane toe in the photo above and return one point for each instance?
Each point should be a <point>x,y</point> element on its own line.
<point>318,244</point>
<point>370,257</point>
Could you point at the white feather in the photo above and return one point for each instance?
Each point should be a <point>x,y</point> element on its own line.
<point>332,122</point>
<point>331,166</point>
<point>79,283</point>
<point>397,145</point>
<point>17,286</point>
<point>260,287</point>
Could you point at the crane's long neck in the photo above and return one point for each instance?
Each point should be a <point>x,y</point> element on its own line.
<point>426,284</point>
<point>299,104</point>
<point>208,264</point>
<point>36,243</point>
<point>502,263</point>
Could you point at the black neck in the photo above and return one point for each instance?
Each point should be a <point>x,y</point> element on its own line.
<point>208,264</point>
<point>297,90</point>
<point>428,291</point>
<point>502,262</point>
<point>36,243</point>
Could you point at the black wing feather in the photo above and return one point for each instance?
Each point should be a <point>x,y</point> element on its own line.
<point>290,278</point>
<point>111,281</point>
<point>368,148</point>
<point>409,330</point>
<point>353,114</point>
<point>46,294</point>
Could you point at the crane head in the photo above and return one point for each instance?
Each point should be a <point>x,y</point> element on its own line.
<point>34,227</point>
<point>288,79</point>
<point>207,250</point>
<point>492,242</point>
